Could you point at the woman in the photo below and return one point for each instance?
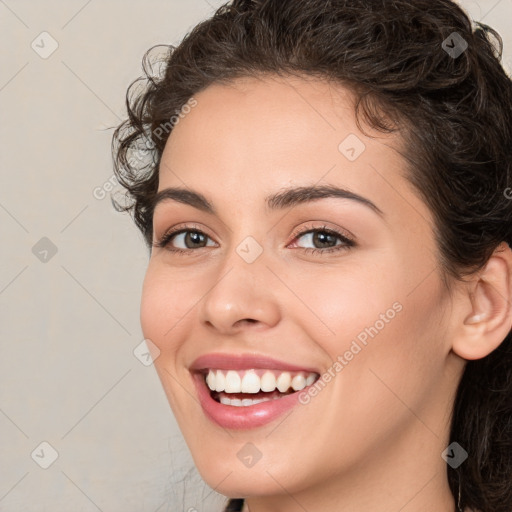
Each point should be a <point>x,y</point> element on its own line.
<point>328,208</point>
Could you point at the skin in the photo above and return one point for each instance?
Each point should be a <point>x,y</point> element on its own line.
<point>372,438</point>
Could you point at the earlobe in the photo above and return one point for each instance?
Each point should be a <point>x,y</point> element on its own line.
<point>487,313</point>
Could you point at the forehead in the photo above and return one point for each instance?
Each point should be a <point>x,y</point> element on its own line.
<point>253,136</point>
<point>268,115</point>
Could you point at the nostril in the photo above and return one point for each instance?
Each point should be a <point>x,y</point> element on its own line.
<point>247,320</point>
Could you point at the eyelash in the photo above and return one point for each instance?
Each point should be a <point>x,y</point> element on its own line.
<point>347,243</point>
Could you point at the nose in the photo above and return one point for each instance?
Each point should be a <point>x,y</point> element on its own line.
<point>241,297</point>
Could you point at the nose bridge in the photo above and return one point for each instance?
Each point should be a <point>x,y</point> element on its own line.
<point>242,290</point>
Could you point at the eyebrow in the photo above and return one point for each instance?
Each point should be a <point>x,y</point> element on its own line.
<point>284,199</point>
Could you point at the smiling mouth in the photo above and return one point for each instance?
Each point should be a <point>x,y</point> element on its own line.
<point>243,388</point>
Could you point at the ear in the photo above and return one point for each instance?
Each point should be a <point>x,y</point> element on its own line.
<point>486,312</point>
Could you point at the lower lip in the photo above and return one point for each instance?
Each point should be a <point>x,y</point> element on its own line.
<point>242,418</point>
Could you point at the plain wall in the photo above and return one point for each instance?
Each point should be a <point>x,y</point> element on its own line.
<point>69,320</point>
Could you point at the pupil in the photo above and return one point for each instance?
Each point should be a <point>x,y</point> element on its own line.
<point>323,239</point>
<point>194,237</point>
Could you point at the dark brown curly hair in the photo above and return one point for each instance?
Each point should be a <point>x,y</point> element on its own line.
<point>453,112</point>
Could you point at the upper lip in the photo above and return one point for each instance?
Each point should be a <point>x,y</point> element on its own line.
<point>220,361</point>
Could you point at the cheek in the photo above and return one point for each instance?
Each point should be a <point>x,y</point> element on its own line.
<point>345,303</point>
<point>152,319</point>
<point>385,337</point>
<point>165,303</point>
<point>375,300</point>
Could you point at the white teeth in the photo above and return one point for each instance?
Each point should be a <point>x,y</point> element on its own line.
<point>220,381</point>
<point>268,382</point>
<point>283,381</point>
<point>210,380</point>
<point>232,381</point>
<point>250,382</point>
<point>298,382</point>
<point>246,402</point>
<point>310,379</point>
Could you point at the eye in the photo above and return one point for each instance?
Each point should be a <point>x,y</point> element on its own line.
<point>184,240</point>
<point>323,240</point>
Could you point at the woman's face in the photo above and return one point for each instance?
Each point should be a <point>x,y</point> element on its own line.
<point>312,283</point>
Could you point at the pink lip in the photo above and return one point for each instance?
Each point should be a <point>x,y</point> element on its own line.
<point>244,362</point>
<point>242,418</point>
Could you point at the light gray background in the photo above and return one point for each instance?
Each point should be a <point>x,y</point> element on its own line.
<point>69,325</point>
